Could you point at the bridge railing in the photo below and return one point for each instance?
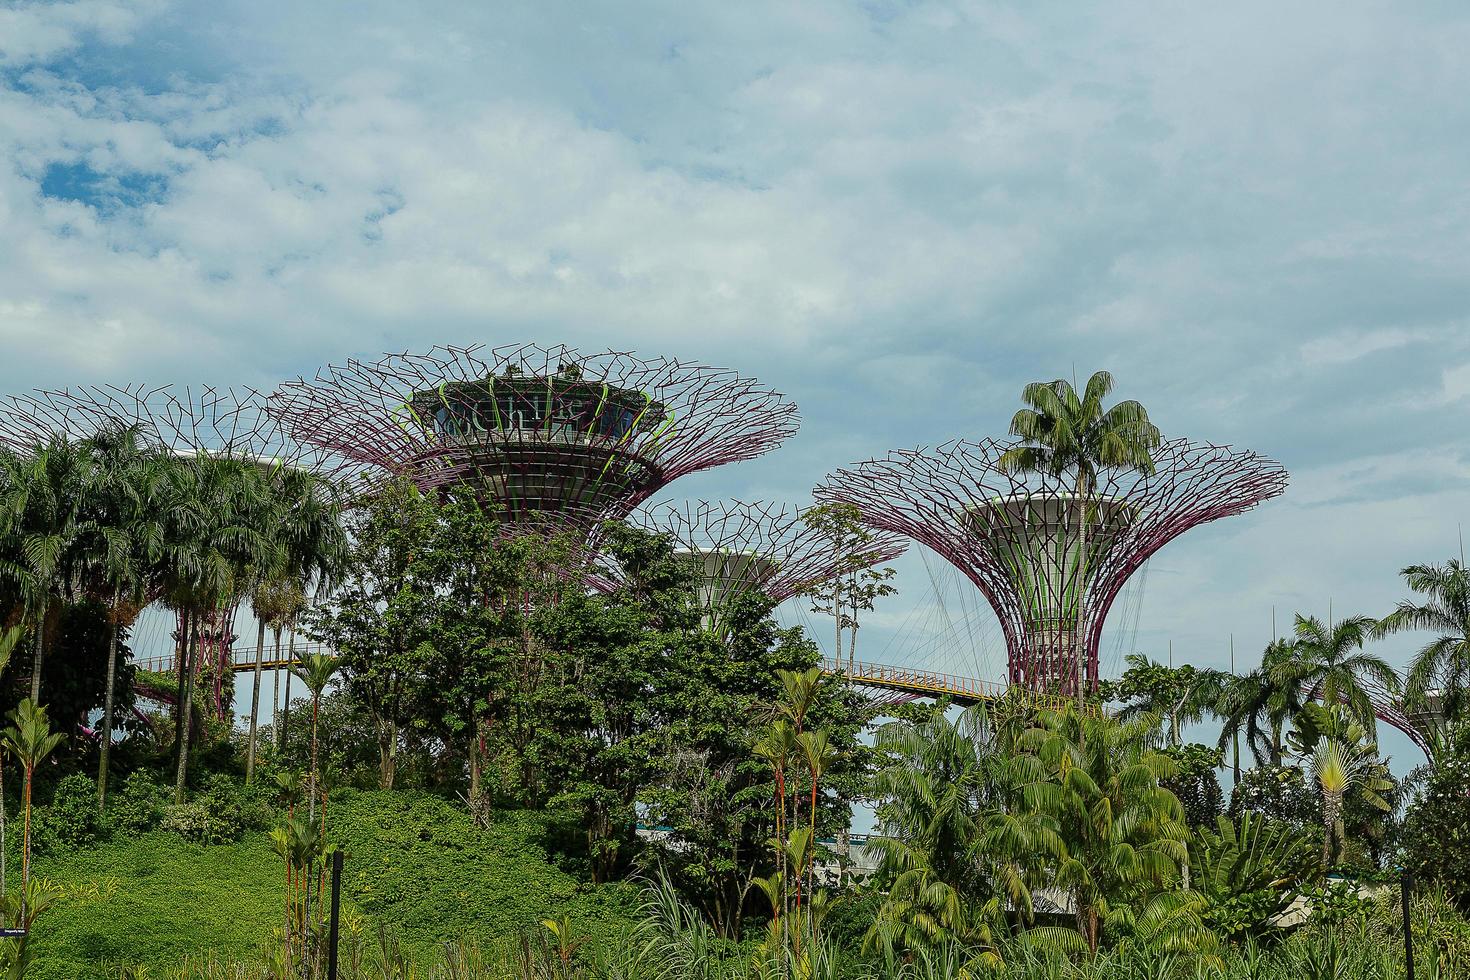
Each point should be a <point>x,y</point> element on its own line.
<point>241,657</point>
<point>912,679</point>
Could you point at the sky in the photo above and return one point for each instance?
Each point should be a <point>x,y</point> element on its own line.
<point>1254,214</point>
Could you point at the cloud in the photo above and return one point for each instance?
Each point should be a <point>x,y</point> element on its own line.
<point>900,213</point>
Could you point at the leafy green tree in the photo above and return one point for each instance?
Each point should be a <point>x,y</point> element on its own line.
<point>1330,664</point>
<point>215,534</point>
<point>382,613</point>
<point>9,640</point>
<point>713,789</point>
<point>855,585</point>
<point>118,549</point>
<point>276,600</point>
<point>1095,783</point>
<point>1195,783</point>
<point>1180,695</point>
<point>1278,792</point>
<point>304,513</point>
<point>316,671</point>
<point>1437,823</point>
<point>611,697</point>
<point>1441,668</point>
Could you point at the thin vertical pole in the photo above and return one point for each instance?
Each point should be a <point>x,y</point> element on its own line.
<point>336,908</point>
<point>1405,886</point>
<point>1236,765</point>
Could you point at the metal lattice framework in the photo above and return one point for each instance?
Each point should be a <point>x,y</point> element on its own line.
<point>766,547</point>
<point>1050,562</point>
<point>537,429</point>
<point>199,420</point>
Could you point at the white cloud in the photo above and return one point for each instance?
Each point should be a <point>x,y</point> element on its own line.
<point>1253,215</point>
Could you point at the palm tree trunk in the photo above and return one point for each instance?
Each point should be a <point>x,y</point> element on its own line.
<point>1331,814</point>
<point>276,688</point>
<point>255,703</point>
<point>181,658</point>
<point>105,749</point>
<point>286,706</point>
<point>4,843</point>
<point>186,703</point>
<point>25,850</point>
<point>40,656</point>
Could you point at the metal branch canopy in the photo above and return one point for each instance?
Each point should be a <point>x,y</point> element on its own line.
<point>766,547</point>
<point>537,430</point>
<point>1050,562</point>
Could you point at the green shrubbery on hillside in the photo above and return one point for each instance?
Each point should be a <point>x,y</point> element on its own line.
<point>417,867</point>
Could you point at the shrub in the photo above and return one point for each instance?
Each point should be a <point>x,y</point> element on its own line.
<point>137,808</point>
<point>1196,785</point>
<point>1438,825</point>
<point>1278,792</point>
<point>195,821</point>
<point>71,820</point>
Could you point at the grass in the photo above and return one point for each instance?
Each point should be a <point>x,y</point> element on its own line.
<point>416,866</point>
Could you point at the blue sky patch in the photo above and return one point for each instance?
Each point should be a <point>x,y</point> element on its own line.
<point>106,192</point>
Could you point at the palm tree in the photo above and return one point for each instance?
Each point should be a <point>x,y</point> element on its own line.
<point>1261,703</point>
<point>42,493</point>
<point>118,549</point>
<point>1443,664</point>
<point>313,549</point>
<point>1340,765</point>
<point>1331,667</point>
<point>214,538</point>
<point>952,841</point>
<point>275,600</point>
<point>1094,782</point>
<point>1064,435</point>
<point>30,740</point>
<point>9,640</point>
<point>316,671</point>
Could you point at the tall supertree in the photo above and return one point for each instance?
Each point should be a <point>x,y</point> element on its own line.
<point>1050,562</point>
<point>189,422</point>
<point>540,432</point>
<point>771,548</point>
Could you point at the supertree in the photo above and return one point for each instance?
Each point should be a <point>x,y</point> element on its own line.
<point>188,422</point>
<point>771,548</point>
<point>1050,562</point>
<point>540,432</point>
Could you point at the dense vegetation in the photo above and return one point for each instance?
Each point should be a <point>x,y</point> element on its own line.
<point>482,736</point>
